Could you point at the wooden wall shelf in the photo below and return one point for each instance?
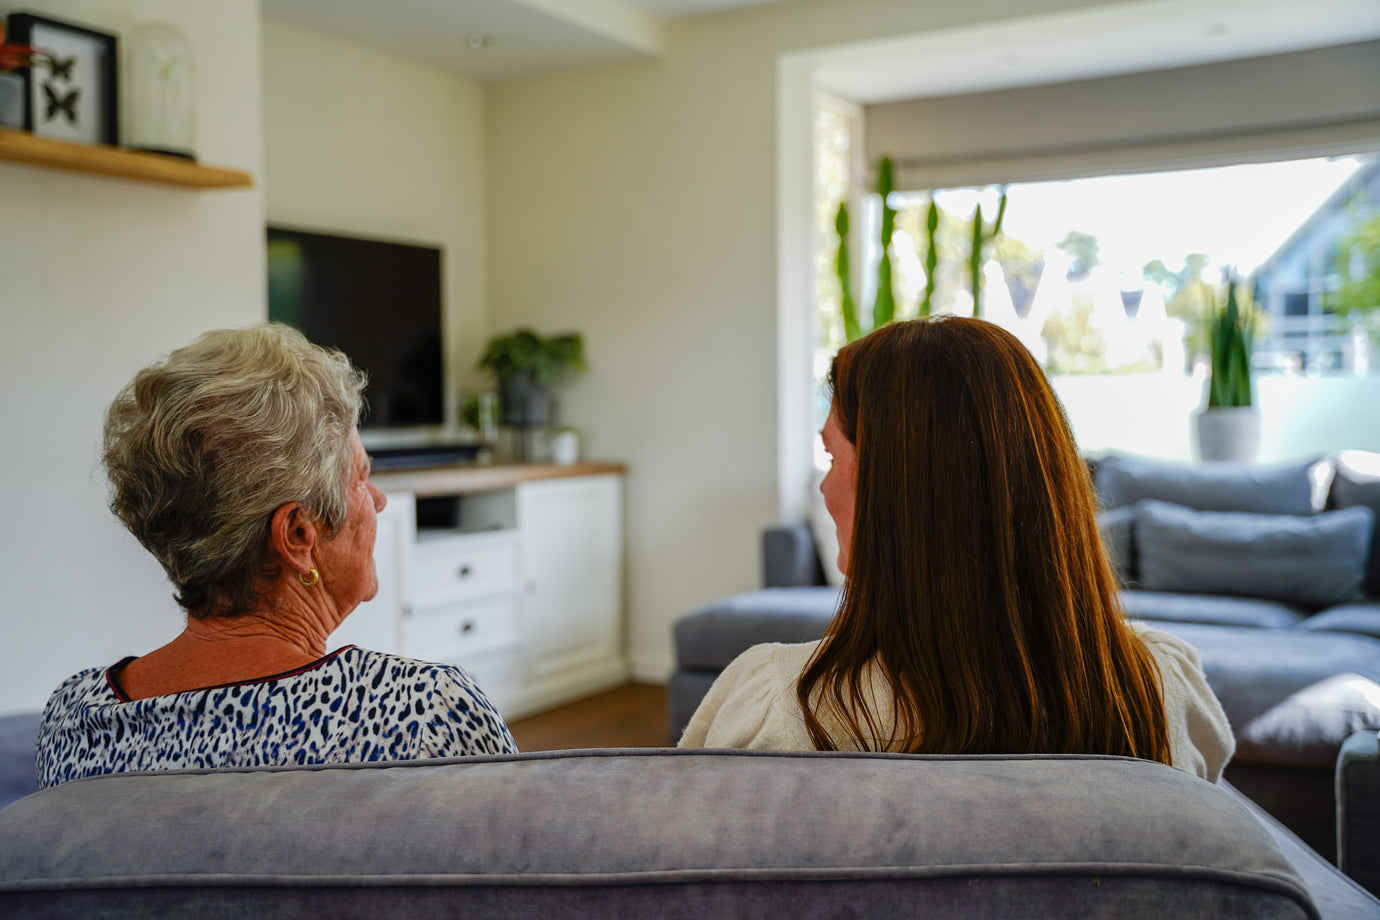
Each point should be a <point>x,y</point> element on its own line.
<point>24,147</point>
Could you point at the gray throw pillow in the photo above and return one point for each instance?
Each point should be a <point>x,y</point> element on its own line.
<point>1357,482</point>
<point>1116,527</point>
<point>1312,561</point>
<point>1208,486</point>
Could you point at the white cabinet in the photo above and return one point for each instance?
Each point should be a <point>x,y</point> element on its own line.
<point>514,576</point>
<point>376,624</point>
<point>460,606</point>
<point>572,550</point>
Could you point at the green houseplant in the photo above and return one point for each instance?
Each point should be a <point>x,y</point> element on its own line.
<point>1229,426</point>
<point>526,365</point>
<point>884,305</point>
<point>977,255</point>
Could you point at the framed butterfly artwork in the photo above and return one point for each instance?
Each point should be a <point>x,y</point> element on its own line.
<point>70,91</point>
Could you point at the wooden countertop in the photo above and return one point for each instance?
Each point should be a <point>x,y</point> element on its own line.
<point>457,479</point>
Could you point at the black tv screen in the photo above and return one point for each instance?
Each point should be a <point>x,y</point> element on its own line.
<point>378,302</point>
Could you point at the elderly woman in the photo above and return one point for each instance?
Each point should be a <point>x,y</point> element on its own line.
<point>979,613</point>
<point>237,463</point>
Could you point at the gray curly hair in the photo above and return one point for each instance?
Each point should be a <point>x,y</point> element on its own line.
<point>203,446</point>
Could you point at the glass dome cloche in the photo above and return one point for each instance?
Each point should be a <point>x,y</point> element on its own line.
<point>162,91</point>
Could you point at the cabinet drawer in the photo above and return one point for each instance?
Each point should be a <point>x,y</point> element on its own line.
<point>460,631</point>
<point>463,567</point>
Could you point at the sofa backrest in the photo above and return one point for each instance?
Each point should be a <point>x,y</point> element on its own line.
<point>667,833</point>
<point>1356,481</point>
<point>1289,489</point>
<point>1244,529</point>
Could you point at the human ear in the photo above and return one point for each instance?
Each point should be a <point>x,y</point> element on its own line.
<point>293,535</point>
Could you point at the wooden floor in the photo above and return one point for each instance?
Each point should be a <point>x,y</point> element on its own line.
<point>633,715</point>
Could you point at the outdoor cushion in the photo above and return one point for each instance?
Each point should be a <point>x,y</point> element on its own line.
<point>1357,482</point>
<point>1210,486</point>
<point>1311,561</point>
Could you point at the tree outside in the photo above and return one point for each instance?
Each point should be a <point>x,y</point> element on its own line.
<point>1357,267</point>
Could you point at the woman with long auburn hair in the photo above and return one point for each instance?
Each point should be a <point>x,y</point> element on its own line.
<point>979,613</point>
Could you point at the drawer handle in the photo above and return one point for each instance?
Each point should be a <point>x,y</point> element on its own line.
<point>466,627</point>
<point>465,570</point>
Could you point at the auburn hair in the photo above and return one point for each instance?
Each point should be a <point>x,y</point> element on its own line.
<point>977,584</point>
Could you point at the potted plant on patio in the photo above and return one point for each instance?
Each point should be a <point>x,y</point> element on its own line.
<point>1229,427</point>
<point>526,365</point>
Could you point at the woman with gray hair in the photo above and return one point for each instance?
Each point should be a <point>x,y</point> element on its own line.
<point>236,461</point>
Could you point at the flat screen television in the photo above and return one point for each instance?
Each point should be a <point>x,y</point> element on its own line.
<point>380,303</point>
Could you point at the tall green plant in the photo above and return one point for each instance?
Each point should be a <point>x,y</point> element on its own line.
<point>982,235</point>
<point>884,307</point>
<point>1230,383</point>
<point>931,256</point>
<point>842,267</point>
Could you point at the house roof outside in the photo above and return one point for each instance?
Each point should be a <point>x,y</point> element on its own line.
<point>1291,286</point>
<point>1366,179</point>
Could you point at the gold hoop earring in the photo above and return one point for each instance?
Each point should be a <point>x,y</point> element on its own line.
<point>315,577</point>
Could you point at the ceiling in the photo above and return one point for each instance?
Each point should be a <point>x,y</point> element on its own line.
<point>497,40</point>
<point>1098,41</point>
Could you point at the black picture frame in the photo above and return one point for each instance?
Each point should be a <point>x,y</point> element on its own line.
<point>73,97</point>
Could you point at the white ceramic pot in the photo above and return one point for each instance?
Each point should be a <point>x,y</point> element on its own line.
<point>1229,434</point>
<point>565,446</point>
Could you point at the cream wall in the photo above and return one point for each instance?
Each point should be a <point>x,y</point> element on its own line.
<point>637,203</point>
<point>97,278</point>
<point>365,143</point>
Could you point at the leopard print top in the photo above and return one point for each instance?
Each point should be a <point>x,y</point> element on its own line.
<point>352,705</point>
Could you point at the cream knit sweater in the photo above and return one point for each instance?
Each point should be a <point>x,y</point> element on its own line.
<point>753,704</point>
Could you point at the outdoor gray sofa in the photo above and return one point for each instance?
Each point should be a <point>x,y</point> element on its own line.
<point>664,833</point>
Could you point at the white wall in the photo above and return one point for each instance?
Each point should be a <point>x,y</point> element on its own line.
<point>97,278</point>
<point>365,143</point>
<point>637,203</point>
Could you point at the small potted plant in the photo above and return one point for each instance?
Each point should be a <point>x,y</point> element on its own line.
<point>1229,427</point>
<point>526,365</point>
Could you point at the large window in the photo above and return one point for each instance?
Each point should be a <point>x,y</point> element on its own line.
<point>1113,276</point>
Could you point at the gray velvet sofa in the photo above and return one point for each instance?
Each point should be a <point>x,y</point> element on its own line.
<point>665,833</point>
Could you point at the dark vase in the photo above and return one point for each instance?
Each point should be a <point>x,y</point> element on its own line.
<point>525,403</point>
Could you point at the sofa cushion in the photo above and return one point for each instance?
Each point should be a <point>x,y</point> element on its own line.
<point>1362,617</point>
<point>680,834</point>
<point>1356,481</point>
<point>1311,561</point>
<point>1292,697</point>
<point>1117,527</point>
<point>1210,609</point>
<point>711,637</point>
<point>1211,486</point>
<point>18,740</point>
